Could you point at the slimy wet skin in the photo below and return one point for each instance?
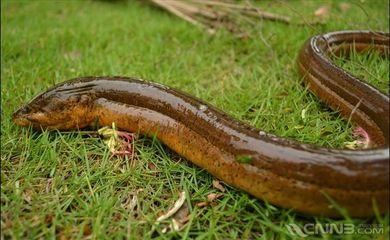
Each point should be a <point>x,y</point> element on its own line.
<point>281,171</point>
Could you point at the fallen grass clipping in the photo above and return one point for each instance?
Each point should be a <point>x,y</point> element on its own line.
<point>70,185</point>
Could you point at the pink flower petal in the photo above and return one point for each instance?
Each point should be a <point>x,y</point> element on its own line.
<point>362,136</point>
<point>121,143</point>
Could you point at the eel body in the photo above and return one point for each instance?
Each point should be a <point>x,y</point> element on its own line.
<point>283,172</point>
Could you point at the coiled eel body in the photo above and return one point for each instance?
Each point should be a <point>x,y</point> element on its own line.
<point>281,171</point>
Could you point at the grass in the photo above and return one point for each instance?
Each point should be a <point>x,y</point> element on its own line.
<point>67,185</point>
<point>369,66</point>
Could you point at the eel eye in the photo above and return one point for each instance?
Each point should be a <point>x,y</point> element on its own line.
<point>25,109</point>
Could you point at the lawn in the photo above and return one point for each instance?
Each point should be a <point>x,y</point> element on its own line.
<point>68,185</point>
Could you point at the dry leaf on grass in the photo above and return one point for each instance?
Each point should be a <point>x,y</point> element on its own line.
<point>202,204</point>
<point>322,11</point>
<point>179,214</point>
<point>217,184</point>
<point>49,218</point>
<point>49,185</point>
<point>73,55</point>
<point>344,6</point>
<point>26,195</point>
<point>210,199</point>
<point>213,196</point>
<point>153,168</point>
<point>174,209</point>
<point>179,219</point>
<point>131,201</point>
<point>87,230</point>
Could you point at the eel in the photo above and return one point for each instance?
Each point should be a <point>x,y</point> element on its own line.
<point>309,179</point>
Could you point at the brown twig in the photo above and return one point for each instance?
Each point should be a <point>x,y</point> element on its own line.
<point>247,9</point>
<point>270,16</point>
<point>167,5</point>
<point>212,14</point>
<point>196,10</point>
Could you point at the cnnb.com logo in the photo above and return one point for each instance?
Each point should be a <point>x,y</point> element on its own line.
<point>332,228</point>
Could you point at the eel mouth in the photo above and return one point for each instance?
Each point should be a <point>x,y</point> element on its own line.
<point>25,116</point>
<point>21,120</point>
<point>20,116</point>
